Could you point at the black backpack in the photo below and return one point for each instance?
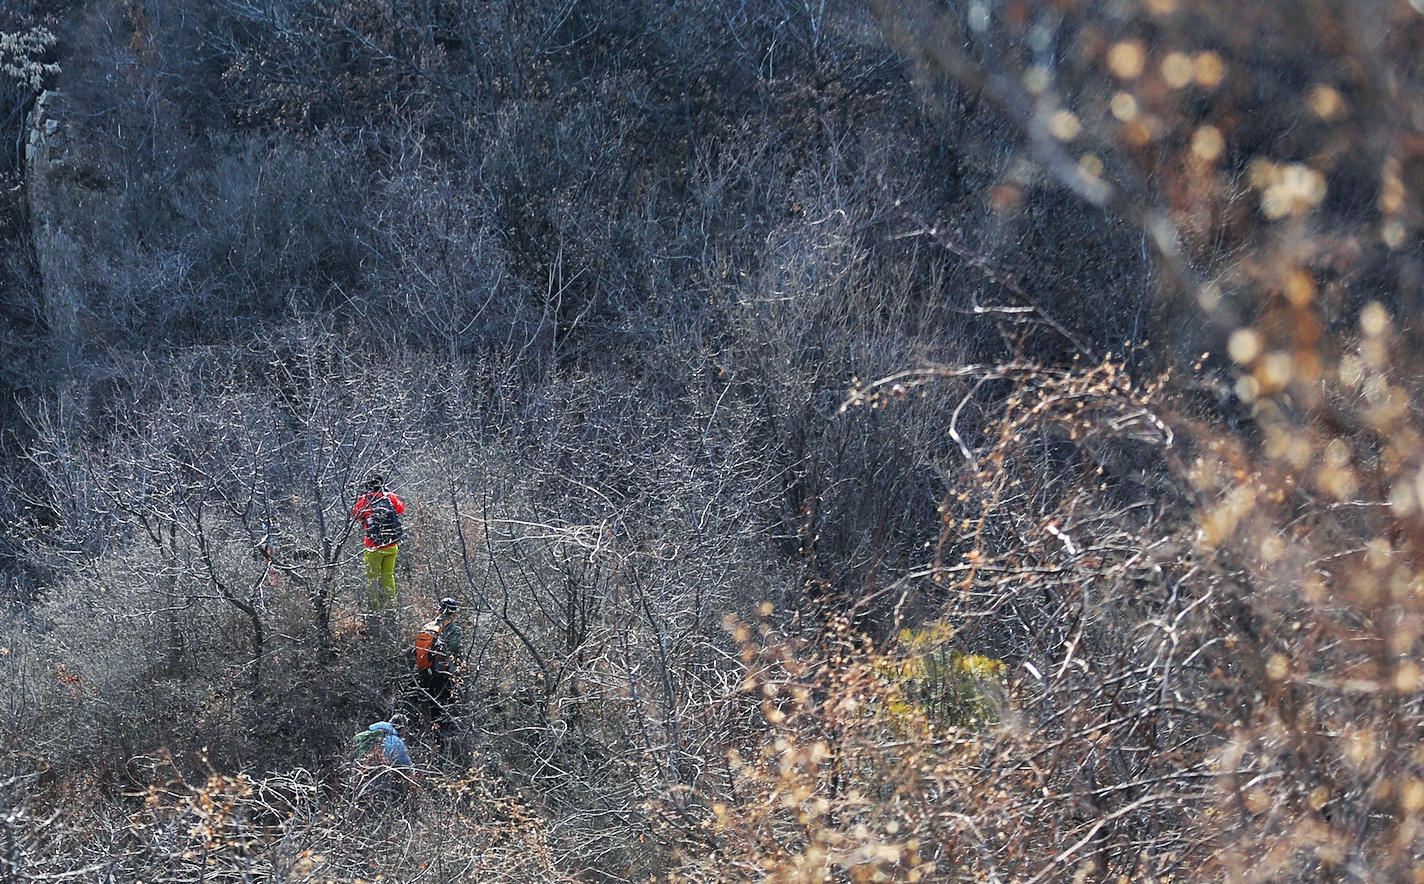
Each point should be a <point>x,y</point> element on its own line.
<point>383,525</point>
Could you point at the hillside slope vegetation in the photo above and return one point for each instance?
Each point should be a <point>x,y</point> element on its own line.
<point>866,441</point>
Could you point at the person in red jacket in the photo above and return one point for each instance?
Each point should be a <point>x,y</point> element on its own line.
<point>379,511</point>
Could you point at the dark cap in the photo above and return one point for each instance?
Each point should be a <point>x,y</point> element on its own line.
<point>376,482</point>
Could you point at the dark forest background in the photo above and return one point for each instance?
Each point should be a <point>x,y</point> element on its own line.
<point>899,440</point>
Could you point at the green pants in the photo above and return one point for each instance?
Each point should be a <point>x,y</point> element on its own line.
<point>381,576</point>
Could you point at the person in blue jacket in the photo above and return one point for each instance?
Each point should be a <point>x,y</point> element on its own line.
<point>393,749</point>
<point>389,762</point>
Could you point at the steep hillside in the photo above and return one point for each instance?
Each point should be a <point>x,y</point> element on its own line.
<point>886,441</point>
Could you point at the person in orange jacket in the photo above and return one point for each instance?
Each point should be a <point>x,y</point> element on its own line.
<point>379,511</point>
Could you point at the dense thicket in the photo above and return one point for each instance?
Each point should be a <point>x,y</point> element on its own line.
<point>887,441</point>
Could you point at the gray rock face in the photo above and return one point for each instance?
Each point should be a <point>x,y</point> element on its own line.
<point>43,135</point>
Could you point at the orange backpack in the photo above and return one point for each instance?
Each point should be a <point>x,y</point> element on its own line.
<point>429,649</point>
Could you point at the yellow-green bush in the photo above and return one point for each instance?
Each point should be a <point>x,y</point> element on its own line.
<point>943,683</point>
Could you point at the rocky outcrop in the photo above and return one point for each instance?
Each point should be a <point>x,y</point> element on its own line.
<point>43,137</point>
